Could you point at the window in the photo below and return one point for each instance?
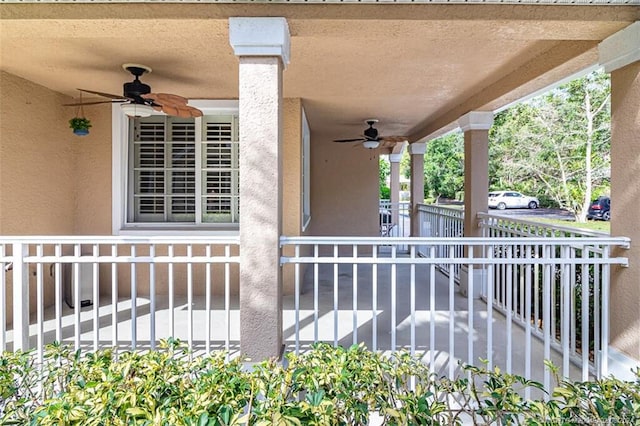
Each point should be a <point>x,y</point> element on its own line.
<point>172,173</point>
<point>176,179</point>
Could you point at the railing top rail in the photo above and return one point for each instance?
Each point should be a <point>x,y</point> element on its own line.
<point>566,229</point>
<point>427,207</point>
<point>471,241</point>
<point>108,239</point>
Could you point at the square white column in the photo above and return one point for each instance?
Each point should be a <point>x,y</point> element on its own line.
<point>262,45</point>
<point>417,151</point>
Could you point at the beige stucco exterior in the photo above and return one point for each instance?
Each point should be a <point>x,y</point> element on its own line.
<point>416,67</point>
<point>625,196</point>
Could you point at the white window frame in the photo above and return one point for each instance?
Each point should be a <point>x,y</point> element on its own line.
<point>306,172</point>
<point>120,170</point>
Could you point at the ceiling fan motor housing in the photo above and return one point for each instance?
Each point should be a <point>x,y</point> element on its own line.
<point>371,133</point>
<point>135,89</point>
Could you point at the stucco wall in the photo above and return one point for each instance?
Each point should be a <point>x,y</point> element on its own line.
<point>37,158</point>
<point>92,170</point>
<point>344,188</point>
<point>36,161</point>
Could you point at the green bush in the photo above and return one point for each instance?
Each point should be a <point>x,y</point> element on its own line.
<point>325,386</point>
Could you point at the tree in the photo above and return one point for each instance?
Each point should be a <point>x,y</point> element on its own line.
<point>444,166</point>
<point>556,146</point>
<point>383,174</point>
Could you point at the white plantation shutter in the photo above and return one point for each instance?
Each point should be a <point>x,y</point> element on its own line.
<point>165,163</point>
<point>220,170</point>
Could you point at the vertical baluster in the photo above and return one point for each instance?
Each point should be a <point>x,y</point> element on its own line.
<point>567,313</point>
<point>393,296</point>
<point>114,293</point>
<point>412,290</point>
<point>316,309</point>
<point>207,301</point>
<point>546,313</point>
<point>471,334</point>
<point>190,296</point>
<point>527,323</point>
<point>227,300</point>
<point>432,309</point>
<point>20,297</point>
<point>509,308</point>
<point>296,283</point>
<point>573,328</point>
<point>3,300</point>
<point>374,301</point>
<point>490,288</point>
<point>172,322</point>
<point>604,338</point>
<point>96,298</point>
<point>452,317</point>
<point>584,322</point>
<point>355,294</point>
<point>597,310</point>
<point>40,302</point>
<point>134,299</point>
<point>335,295</point>
<point>76,296</point>
<point>152,296</point>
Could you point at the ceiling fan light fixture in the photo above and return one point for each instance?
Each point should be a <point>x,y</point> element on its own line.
<point>136,110</point>
<point>371,144</point>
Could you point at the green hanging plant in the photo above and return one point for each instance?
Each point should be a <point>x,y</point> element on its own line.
<point>80,124</point>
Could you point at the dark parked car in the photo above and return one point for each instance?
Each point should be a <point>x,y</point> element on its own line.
<point>600,209</point>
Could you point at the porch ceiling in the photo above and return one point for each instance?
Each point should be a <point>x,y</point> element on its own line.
<point>416,68</point>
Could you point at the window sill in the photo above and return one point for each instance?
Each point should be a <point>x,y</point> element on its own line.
<point>179,231</point>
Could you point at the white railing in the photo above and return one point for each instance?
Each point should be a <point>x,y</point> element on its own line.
<point>438,221</point>
<point>125,292</point>
<point>567,283</point>
<point>353,294</point>
<point>394,219</point>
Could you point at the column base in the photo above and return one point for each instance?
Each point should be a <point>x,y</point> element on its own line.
<point>479,281</point>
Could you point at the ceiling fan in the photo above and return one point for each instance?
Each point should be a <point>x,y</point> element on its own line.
<point>137,100</point>
<point>371,139</point>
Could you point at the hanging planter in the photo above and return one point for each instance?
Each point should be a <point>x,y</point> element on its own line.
<point>80,124</point>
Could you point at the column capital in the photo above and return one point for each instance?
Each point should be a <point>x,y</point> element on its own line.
<point>417,148</point>
<point>476,120</point>
<point>395,158</point>
<point>621,48</point>
<point>260,37</point>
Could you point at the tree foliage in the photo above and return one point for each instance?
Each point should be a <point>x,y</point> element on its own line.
<point>444,166</point>
<point>555,146</point>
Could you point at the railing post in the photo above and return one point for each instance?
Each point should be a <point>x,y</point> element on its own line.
<point>20,297</point>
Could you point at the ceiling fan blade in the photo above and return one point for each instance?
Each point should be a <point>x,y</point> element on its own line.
<point>96,102</point>
<point>349,140</point>
<point>166,98</point>
<point>394,139</point>
<point>184,111</point>
<point>106,95</point>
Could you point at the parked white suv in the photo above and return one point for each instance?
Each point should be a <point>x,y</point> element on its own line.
<point>511,200</point>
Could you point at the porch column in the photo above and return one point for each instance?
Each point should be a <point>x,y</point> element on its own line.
<point>620,56</point>
<point>394,186</point>
<point>475,125</point>
<point>416,150</point>
<point>262,45</point>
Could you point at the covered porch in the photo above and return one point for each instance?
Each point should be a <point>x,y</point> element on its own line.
<point>146,210</point>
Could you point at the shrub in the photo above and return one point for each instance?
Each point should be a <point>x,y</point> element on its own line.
<point>325,386</point>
